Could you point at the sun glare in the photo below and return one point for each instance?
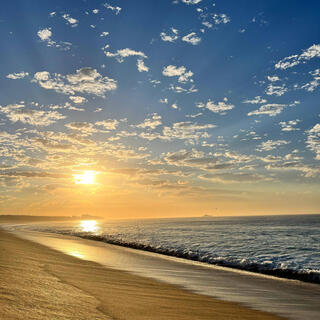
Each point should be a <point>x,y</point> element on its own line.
<point>87,177</point>
<point>89,226</point>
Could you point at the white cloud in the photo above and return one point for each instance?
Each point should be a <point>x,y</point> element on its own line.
<point>220,18</point>
<point>85,80</point>
<point>73,22</point>
<point>191,1</point>
<point>164,100</point>
<point>179,89</point>
<point>44,34</point>
<point>180,72</point>
<point>67,106</point>
<point>313,140</point>
<point>77,99</point>
<point>141,66</point>
<point>86,128</point>
<point>187,130</point>
<point>155,82</point>
<point>294,60</point>
<point>180,130</point>
<point>273,78</point>
<point>173,71</point>
<point>110,124</point>
<point>289,126</point>
<point>192,38</point>
<point>313,84</point>
<point>219,107</point>
<point>194,115</point>
<point>308,170</point>
<point>152,122</point>
<point>276,90</point>
<point>256,100</point>
<point>271,145</point>
<point>207,24</point>
<point>115,9</point>
<point>170,37</point>
<point>124,53</point>
<point>17,75</point>
<point>271,109</point>
<point>18,112</point>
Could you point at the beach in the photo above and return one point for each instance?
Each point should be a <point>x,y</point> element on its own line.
<point>41,283</point>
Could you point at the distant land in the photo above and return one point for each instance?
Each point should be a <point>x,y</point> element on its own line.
<point>30,218</point>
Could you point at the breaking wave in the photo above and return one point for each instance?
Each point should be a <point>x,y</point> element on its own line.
<point>266,267</point>
<point>281,246</point>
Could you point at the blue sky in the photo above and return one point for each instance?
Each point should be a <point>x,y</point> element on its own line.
<point>200,106</point>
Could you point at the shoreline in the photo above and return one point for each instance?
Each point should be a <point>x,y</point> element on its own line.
<point>101,290</point>
<point>310,277</point>
<point>306,276</point>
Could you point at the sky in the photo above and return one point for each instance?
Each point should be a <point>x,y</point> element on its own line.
<point>166,108</point>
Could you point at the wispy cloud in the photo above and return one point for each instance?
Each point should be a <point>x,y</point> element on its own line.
<point>73,22</point>
<point>45,36</point>
<point>313,140</point>
<point>180,72</point>
<point>170,37</point>
<point>141,66</point>
<point>85,80</point>
<point>271,145</point>
<point>121,54</point>
<point>19,113</point>
<point>115,9</point>
<point>17,75</point>
<point>192,38</point>
<point>296,59</point>
<point>271,109</point>
<point>220,107</point>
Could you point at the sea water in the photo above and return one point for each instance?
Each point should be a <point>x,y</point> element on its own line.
<point>284,246</point>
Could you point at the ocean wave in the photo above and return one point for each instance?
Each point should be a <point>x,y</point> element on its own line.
<point>273,246</point>
<point>264,267</point>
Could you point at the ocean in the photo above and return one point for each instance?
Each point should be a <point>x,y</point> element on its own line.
<point>283,246</point>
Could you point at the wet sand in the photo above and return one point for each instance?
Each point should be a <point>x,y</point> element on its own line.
<point>37,282</point>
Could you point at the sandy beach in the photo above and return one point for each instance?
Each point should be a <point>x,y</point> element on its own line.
<point>37,282</point>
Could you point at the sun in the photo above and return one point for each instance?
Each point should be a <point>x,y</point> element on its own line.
<point>87,177</point>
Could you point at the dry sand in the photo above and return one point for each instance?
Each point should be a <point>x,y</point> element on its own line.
<point>40,283</point>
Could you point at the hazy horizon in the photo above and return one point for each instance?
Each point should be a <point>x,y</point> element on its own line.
<point>96,217</point>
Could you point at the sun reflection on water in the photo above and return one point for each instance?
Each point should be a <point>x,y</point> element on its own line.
<point>89,226</point>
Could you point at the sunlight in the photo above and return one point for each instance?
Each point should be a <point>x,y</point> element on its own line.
<point>89,226</point>
<point>87,177</point>
<point>76,254</point>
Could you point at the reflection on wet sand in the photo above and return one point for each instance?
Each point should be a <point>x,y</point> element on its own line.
<point>261,292</point>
